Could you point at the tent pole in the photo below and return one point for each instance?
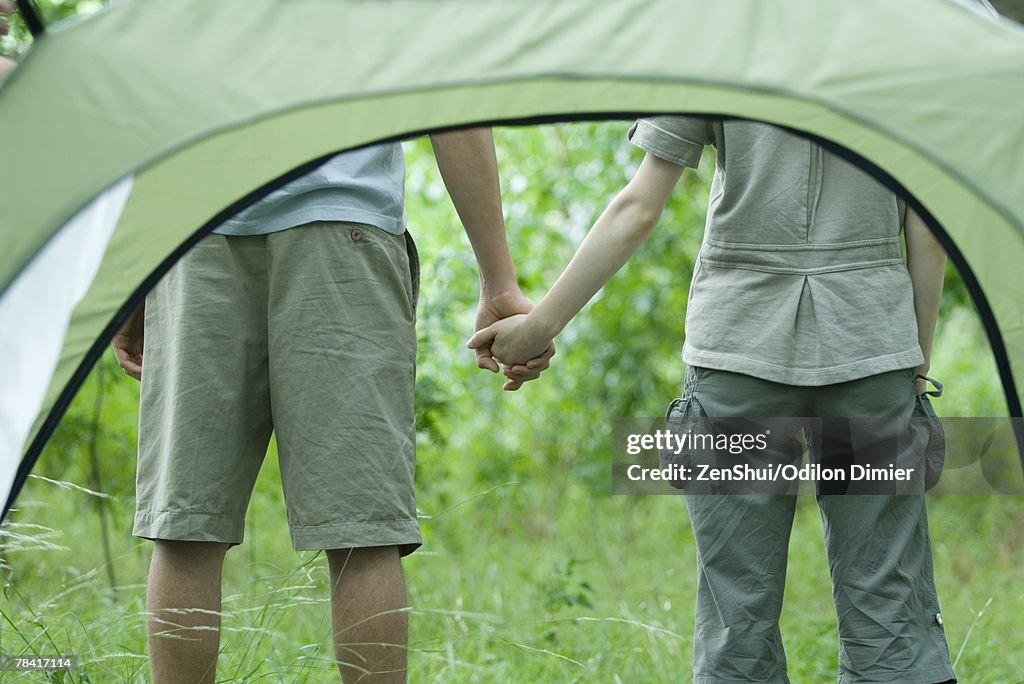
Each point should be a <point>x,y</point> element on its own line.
<point>31,17</point>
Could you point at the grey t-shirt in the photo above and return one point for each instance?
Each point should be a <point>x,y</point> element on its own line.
<point>362,186</point>
<point>800,279</point>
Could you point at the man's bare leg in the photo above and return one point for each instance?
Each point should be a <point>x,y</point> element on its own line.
<point>183,604</point>
<point>371,627</point>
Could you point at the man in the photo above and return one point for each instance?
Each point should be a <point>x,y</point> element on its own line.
<point>298,316</point>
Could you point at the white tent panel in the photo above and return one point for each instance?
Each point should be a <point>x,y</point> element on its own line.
<point>36,311</point>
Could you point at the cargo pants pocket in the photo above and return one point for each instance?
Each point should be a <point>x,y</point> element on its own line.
<point>685,417</point>
<point>935,449</point>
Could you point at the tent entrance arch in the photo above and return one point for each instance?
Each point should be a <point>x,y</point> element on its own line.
<point>115,98</point>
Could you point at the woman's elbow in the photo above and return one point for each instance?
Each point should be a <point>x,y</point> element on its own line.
<point>638,215</point>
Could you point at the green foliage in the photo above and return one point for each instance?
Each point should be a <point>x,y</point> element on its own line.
<point>564,588</point>
<point>51,12</point>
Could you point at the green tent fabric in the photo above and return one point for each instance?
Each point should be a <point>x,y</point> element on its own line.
<point>142,126</point>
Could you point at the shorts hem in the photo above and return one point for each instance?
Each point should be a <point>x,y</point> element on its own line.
<point>405,534</point>
<point>181,526</point>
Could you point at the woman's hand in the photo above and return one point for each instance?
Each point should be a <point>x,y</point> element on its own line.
<point>513,341</point>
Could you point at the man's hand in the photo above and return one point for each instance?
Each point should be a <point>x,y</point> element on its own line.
<point>127,343</point>
<point>493,309</point>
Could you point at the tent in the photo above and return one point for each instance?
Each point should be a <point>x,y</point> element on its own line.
<point>130,134</point>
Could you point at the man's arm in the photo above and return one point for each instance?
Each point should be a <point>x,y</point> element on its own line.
<point>469,168</point>
<point>926,262</point>
<point>617,233</point>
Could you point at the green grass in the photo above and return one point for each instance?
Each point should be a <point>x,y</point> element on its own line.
<point>533,581</point>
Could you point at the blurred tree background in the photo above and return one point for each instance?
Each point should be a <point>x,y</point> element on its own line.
<point>530,570</point>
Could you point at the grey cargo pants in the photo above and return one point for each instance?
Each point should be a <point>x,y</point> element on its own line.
<point>890,628</point>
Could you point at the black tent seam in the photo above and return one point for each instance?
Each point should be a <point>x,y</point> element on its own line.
<point>94,353</point>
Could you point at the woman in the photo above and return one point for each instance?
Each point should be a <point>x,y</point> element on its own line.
<point>801,304</point>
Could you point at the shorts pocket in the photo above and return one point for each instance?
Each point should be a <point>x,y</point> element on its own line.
<point>935,449</point>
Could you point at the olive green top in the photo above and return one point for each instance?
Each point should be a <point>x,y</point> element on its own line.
<point>800,279</point>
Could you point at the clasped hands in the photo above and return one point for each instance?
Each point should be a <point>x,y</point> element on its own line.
<point>505,335</point>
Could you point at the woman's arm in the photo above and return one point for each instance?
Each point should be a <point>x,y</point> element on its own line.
<point>926,262</point>
<point>620,230</point>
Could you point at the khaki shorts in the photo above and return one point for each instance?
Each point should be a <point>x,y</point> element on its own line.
<point>310,333</point>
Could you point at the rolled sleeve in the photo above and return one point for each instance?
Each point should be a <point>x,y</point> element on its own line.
<point>676,139</point>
